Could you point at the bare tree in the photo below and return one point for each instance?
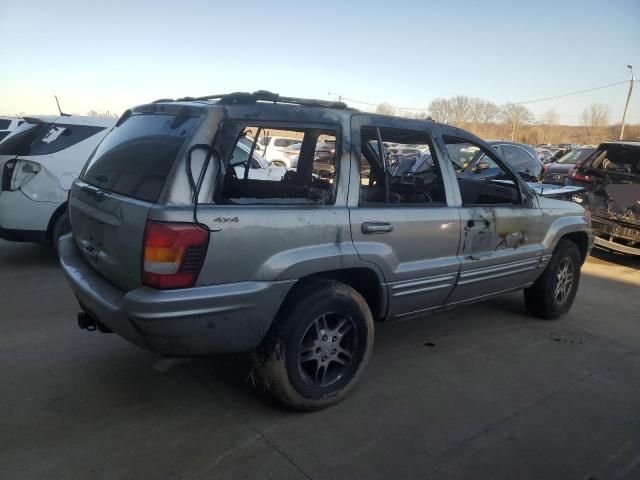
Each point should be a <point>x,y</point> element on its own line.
<point>440,110</point>
<point>594,118</point>
<point>108,114</point>
<point>386,109</point>
<point>549,119</point>
<point>460,106</point>
<point>490,112</point>
<point>514,116</point>
<point>481,111</point>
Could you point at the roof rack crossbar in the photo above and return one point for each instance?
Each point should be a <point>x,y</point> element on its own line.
<point>260,96</point>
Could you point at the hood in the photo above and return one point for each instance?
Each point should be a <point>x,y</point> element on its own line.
<point>554,191</point>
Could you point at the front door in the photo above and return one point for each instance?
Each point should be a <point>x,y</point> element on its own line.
<point>501,244</point>
<point>401,218</point>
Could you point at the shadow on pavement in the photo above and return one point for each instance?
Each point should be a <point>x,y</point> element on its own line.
<point>630,261</point>
<point>26,255</point>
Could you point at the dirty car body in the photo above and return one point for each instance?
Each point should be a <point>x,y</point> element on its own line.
<point>406,244</point>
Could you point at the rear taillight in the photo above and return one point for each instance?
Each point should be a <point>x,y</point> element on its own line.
<point>7,174</point>
<point>173,254</point>
<point>574,174</point>
<point>17,173</point>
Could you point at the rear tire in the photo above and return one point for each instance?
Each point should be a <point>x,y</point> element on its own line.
<point>318,347</point>
<point>61,227</point>
<point>552,294</point>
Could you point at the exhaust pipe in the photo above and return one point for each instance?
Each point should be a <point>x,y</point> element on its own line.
<point>85,322</point>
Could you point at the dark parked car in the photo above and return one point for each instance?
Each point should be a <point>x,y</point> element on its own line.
<point>611,177</point>
<point>523,158</point>
<point>556,172</point>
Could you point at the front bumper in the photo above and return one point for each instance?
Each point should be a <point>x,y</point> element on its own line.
<point>204,320</point>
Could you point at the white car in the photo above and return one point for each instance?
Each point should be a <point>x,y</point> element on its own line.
<point>8,125</point>
<point>259,168</point>
<point>39,160</point>
<point>272,149</point>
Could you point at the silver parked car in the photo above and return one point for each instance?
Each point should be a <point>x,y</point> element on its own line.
<point>180,253</point>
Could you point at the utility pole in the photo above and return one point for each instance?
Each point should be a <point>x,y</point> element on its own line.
<point>626,105</point>
<point>513,129</point>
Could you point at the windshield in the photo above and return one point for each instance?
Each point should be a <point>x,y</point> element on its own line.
<point>575,156</point>
<point>136,157</point>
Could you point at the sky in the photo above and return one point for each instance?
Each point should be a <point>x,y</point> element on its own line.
<point>112,55</point>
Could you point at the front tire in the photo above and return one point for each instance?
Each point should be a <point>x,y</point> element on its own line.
<point>552,295</point>
<point>318,347</point>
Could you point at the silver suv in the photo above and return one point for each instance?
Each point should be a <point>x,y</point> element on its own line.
<point>179,249</point>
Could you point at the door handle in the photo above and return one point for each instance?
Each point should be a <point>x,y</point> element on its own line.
<point>376,227</point>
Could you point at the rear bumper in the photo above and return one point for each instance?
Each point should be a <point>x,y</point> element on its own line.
<point>204,320</point>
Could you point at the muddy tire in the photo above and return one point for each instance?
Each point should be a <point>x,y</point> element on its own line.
<point>318,347</point>
<point>61,227</point>
<point>552,295</point>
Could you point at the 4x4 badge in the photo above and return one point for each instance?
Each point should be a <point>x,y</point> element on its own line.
<point>226,219</point>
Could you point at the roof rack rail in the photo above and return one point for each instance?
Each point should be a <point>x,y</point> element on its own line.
<point>260,96</point>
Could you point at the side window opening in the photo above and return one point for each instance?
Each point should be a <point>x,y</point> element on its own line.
<point>481,178</point>
<point>398,166</point>
<point>302,172</point>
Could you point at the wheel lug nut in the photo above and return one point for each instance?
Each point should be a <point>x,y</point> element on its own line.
<point>324,359</point>
<point>334,351</point>
<point>334,339</point>
<point>324,338</point>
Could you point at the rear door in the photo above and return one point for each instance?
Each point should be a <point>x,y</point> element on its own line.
<point>278,226</point>
<point>122,181</point>
<point>401,214</point>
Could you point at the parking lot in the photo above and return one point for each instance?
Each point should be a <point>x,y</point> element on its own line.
<point>484,391</point>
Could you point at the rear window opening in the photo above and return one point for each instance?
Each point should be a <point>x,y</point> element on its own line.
<point>301,173</point>
<point>136,157</point>
<point>614,158</point>
<point>45,138</point>
<point>20,140</point>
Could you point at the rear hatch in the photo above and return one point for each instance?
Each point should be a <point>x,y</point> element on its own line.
<point>122,181</point>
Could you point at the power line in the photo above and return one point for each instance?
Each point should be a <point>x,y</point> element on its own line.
<point>423,109</point>
<point>573,93</point>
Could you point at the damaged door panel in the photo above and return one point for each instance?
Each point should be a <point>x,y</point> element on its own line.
<point>500,249</point>
<point>501,239</point>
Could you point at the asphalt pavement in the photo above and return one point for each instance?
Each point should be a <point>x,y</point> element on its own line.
<point>481,392</point>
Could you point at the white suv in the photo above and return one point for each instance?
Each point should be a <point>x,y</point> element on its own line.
<point>9,124</point>
<point>39,161</point>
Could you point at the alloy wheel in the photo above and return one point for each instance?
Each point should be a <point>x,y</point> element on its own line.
<point>564,281</point>
<point>326,349</point>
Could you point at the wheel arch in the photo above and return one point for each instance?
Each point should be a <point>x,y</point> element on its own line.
<point>581,240</point>
<point>366,281</point>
